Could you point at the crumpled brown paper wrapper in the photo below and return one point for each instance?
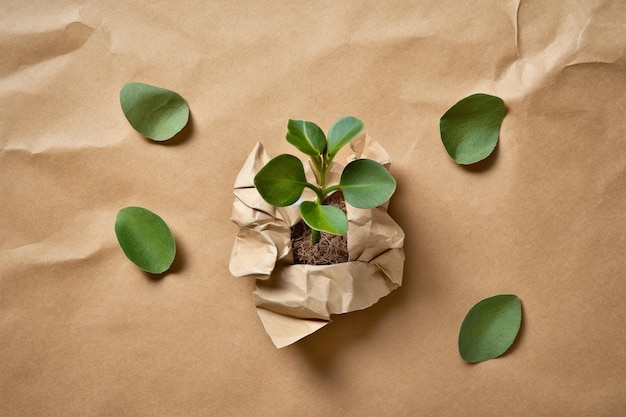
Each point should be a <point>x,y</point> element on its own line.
<point>295,300</point>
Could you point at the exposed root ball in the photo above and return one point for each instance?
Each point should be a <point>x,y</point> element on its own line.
<point>331,249</point>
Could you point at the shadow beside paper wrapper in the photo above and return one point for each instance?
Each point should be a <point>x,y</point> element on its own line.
<point>295,300</point>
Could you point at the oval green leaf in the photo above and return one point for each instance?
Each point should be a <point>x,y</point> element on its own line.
<point>145,239</point>
<point>281,181</point>
<point>342,132</point>
<point>324,218</point>
<point>490,327</point>
<point>470,129</point>
<point>306,136</point>
<point>156,113</point>
<point>366,183</point>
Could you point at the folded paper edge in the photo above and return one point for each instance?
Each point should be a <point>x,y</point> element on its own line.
<point>286,330</point>
<point>285,327</point>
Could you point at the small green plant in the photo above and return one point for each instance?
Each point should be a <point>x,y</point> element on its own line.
<point>365,183</point>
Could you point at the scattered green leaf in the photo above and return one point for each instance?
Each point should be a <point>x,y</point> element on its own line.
<point>145,239</point>
<point>490,328</point>
<point>470,129</point>
<point>366,183</point>
<point>324,218</point>
<point>156,113</point>
<point>281,181</point>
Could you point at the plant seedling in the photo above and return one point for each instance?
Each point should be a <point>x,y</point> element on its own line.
<point>365,183</point>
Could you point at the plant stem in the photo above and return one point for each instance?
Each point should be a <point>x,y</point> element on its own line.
<point>330,189</point>
<point>318,191</point>
<point>322,173</point>
<point>322,164</point>
<point>327,161</point>
<point>315,236</point>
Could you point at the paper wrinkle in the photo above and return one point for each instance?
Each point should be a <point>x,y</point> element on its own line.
<point>29,49</point>
<point>569,46</point>
<point>294,301</point>
<point>25,149</point>
<point>56,248</point>
<point>516,27</point>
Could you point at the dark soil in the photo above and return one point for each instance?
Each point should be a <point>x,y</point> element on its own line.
<point>331,249</point>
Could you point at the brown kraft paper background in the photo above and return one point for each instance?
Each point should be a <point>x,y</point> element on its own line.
<point>83,332</point>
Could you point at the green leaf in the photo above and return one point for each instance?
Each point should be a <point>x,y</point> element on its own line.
<point>145,239</point>
<point>342,132</point>
<point>470,129</point>
<point>490,327</point>
<point>306,136</point>
<point>324,218</point>
<point>281,181</point>
<point>156,113</point>
<point>366,183</point>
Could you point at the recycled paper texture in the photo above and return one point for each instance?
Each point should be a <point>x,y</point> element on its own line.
<point>294,300</point>
<point>84,332</point>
